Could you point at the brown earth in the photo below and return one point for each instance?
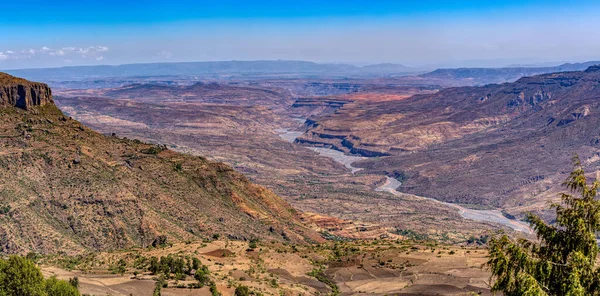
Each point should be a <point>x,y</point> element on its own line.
<point>373,267</point>
<point>506,145</point>
<point>243,135</point>
<point>66,188</point>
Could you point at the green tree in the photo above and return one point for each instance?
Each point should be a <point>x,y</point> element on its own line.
<point>154,265</point>
<point>20,276</point>
<point>253,244</point>
<point>121,267</point>
<point>196,263</point>
<point>55,287</point>
<point>74,281</point>
<point>202,275</point>
<point>242,291</point>
<point>563,260</point>
<point>213,290</point>
<point>158,287</point>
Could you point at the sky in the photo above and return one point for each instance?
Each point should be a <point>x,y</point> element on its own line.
<point>415,33</point>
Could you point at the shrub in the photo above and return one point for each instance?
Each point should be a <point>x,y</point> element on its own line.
<point>57,287</point>
<point>196,264</point>
<point>242,291</point>
<point>213,290</point>
<point>154,265</point>
<point>74,282</point>
<point>153,150</point>
<point>178,167</point>
<point>158,287</point>
<point>202,275</point>
<point>160,241</point>
<point>4,209</point>
<point>253,244</point>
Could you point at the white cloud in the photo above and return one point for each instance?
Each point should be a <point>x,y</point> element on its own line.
<point>58,52</point>
<point>30,52</point>
<point>91,52</point>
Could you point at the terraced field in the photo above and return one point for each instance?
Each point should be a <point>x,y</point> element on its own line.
<point>359,267</point>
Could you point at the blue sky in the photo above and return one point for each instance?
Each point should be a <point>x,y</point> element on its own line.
<point>418,33</point>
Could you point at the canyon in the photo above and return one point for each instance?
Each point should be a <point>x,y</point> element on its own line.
<point>475,145</point>
<point>250,125</point>
<point>343,163</point>
<point>369,159</point>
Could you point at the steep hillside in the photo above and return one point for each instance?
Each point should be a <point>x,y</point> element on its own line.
<point>242,130</point>
<point>66,188</point>
<point>500,145</point>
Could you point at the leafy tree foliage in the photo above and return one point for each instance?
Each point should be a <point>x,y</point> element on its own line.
<point>242,291</point>
<point>179,268</point>
<point>213,290</point>
<point>253,244</point>
<point>169,264</point>
<point>202,275</point>
<point>196,264</point>
<point>563,260</point>
<point>74,281</point>
<point>120,267</point>
<point>20,276</point>
<point>160,241</point>
<point>158,286</point>
<point>57,287</point>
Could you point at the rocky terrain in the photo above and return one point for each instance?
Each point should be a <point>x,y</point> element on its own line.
<point>240,124</point>
<point>94,204</point>
<point>66,188</point>
<point>495,145</point>
<point>16,92</point>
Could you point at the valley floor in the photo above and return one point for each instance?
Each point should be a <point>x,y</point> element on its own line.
<point>348,268</point>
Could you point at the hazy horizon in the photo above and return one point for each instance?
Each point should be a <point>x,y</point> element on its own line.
<point>428,34</point>
<point>416,68</point>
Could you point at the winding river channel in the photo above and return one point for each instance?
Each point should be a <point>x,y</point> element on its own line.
<point>391,184</point>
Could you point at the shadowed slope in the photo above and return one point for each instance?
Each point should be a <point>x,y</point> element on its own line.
<point>67,188</point>
<point>495,145</point>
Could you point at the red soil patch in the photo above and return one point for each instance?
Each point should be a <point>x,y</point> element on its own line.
<point>219,253</point>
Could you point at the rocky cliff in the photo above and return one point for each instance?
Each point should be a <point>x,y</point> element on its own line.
<point>501,145</point>
<point>66,188</point>
<point>22,93</point>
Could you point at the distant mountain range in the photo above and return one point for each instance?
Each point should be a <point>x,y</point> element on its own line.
<point>291,69</point>
<point>220,68</point>
<point>481,76</point>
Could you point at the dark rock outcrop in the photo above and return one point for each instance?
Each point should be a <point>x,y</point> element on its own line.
<point>595,68</point>
<point>23,94</point>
